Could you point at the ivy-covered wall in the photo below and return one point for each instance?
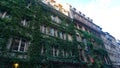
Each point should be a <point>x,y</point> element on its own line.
<point>23,19</point>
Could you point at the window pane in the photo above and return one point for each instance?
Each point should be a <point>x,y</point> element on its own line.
<point>64,36</point>
<point>52,31</point>
<point>56,33</point>
<point>15,44</point>
<point>22,45</point>
<point>69,37</point>
<point>61,35</point>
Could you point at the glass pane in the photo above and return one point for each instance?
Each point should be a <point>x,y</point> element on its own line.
<point>52,31</point>
<point>21,49</point>
<point>15,44</point>
<point>22,45</point>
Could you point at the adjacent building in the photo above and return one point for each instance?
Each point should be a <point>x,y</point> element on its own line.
<point>112,47</point>
<point>43,34</point>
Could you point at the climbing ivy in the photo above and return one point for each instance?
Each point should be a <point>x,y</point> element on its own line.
<point>37,15</point>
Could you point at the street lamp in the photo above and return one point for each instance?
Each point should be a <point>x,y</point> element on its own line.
<point>16,65</point>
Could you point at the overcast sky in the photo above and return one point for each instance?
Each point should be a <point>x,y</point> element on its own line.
<point>105,13</point>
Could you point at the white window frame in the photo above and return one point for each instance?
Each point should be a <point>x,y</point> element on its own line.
<point>19,41</point>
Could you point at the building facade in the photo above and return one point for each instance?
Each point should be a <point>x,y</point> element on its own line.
<point>112,47</point>
<point>35,34</point>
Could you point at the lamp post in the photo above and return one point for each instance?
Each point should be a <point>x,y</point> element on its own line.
<point>16,65</point>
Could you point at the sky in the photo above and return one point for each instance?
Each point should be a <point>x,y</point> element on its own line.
<point>105,13</point>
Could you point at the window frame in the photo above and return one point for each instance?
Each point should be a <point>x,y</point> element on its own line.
<point>17,43</point>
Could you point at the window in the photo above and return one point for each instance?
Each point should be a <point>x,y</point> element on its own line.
<point>53,18</point>
<point>64,36</point>
<point>71,53</point>
<point>83,28</point>
<point>48,30</point>
<point>4,14</point>
<point>84,41</point>
<point>56,19</point>
<point>106,60</point>
<point>28,5</point>
<point>66,54</point>
<point>78,38</point>
<point>25,22</point>
<point>81,54</point>
<point>61,35</point>
<point>63,52</point>
<point>44,29</point>
<point>69,37</point>
<point>18,45</point>
<point>52,31</point>
<point>43,50</point>
<point>56,32</point>
<point>80,26</point>
<point>55,51</point>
